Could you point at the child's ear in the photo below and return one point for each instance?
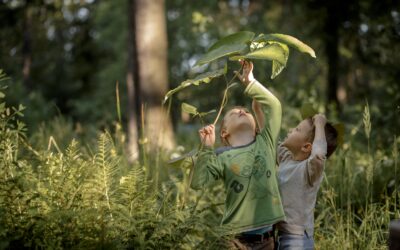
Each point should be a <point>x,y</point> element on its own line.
<point>224,133</point>
<point>307,147</point>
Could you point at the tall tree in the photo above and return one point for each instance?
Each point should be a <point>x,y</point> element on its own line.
<point>132,86</point>
<point>27,46</point>
<point>151,71</point>
<point>332,24</point>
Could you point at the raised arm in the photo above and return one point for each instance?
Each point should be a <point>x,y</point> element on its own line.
<point>247,77</point>
<point>266,106</point>
<point>260,117</point>
<point>207,167</point>
<point>317,159</point>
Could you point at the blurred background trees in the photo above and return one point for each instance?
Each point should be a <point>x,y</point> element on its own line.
<point>65,57</point>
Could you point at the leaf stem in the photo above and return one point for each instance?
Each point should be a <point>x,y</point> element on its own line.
<point>225,98</point>
<point>223,103</point>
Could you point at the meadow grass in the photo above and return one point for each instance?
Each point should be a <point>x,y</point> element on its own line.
<point>58,193</point>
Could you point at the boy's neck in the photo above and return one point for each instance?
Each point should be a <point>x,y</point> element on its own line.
<point>300,155</point>
<point>241,138</point>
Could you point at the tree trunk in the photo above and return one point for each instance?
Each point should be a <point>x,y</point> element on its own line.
<point>332,52</point>
<point>132,88</point>
<point>27,47</point>
<point>152,74</point>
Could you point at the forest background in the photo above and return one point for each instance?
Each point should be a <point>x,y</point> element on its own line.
<point>86,146</point>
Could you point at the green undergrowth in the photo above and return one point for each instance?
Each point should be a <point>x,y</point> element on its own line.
<point>67,187</point>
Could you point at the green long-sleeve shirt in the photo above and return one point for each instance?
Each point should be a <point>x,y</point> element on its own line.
<point>248,171</point>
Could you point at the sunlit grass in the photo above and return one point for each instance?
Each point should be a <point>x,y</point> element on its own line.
<point>51,182</point>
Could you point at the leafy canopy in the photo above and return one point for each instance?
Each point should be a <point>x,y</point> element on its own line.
<point>245,45</point>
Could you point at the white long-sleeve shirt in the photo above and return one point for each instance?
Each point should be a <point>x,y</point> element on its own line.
<point>299,182</point>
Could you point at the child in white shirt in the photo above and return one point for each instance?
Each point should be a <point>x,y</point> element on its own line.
<point>301,159</point>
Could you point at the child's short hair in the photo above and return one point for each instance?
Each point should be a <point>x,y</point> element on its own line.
<point>330,134</point>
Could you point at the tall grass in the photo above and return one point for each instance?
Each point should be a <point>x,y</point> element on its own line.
<point>56,196</point>
<point>57,193</point>
<point>359,196</point>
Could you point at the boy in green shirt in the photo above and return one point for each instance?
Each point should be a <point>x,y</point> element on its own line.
<point>246,165</point>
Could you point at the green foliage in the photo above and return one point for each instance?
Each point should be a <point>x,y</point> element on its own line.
<point>226,50</point>
<point>241,37</point>
<point>241,45</point>
<point>359,197</point>
<point>368,35</point>
<point>74,199</point>
<point>272,52</point>
<point>289,40</point>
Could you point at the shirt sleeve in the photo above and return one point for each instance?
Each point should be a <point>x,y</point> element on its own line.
<point>283,154</point>
<point>271,107</point>
<point>315,163</point>
<point>207,169</point>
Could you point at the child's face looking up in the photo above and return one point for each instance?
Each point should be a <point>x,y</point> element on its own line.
<point>238,119</point>
<point>298,136</point>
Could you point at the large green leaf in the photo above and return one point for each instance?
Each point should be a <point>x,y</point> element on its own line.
<point>202,78</point>
<point>237,43</point>
<point>277,68</point>
<point>189,109</point>
<point>272,52</point>
<point>289,40</point>
<point>221,51</point>
<point>241,37</point>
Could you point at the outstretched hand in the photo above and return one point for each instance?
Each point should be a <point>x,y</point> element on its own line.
<point>207,135</point>
<point>319,120</point>
<point>247,73</point>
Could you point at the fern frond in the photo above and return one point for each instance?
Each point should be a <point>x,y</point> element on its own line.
<point>106,169</point>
